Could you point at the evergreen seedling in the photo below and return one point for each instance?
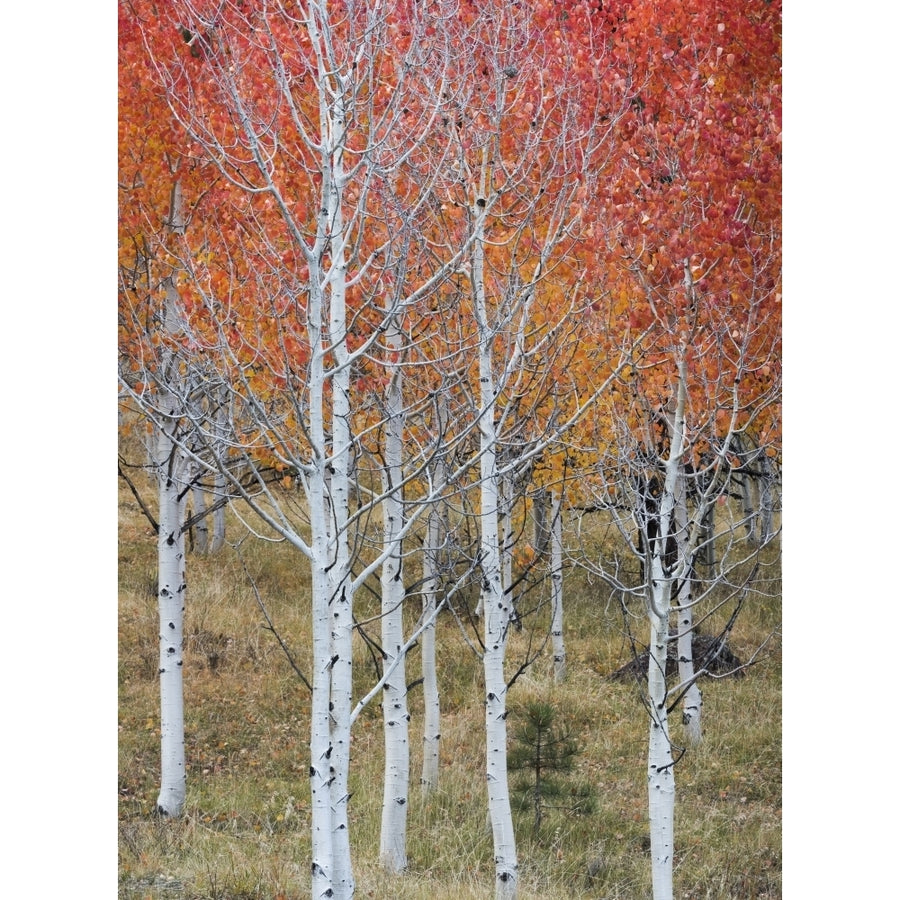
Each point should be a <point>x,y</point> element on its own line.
<point>545,751</point>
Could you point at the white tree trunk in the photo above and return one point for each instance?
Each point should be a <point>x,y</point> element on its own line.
<point>431,729</point>
<point>556,588</point>
<point>692,702</point>
<point>327,492</point>
<point>431,736</point>
<point>494,602</point>
<point>320,748</point>
<point>394,707</point>
<point>171,472</point>
<point>339,497</point>
<point>171,574</point>
<point>660,764</point>
<point>507,539</point>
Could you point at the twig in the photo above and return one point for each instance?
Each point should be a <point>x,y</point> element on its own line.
<point>271,626</point>
<point>137,497</point>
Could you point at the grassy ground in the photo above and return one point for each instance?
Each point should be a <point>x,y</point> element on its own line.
<point>244,835</point>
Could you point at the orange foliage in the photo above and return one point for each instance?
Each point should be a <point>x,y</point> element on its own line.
<point>649,131</point>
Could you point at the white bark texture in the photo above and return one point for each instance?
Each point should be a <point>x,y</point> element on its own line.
<point>321,768</point>
<point>692,702</point>
<point>494,602</point>
<point>394,707</point>
<point>330,240</point>
<point>327,494</point>
<point>436,530</point>
<point>340,587</point>
<point>172,587</point>
<point>431,731</point>
<point>660,763</point>
<point>171,474</point>
<point>171,471</point>
<point>556,589</point>
<point>507,537</point>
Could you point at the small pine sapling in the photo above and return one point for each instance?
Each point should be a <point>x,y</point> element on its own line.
<point>544,751</point>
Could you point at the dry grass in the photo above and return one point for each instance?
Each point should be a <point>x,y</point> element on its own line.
<point>245,831</point>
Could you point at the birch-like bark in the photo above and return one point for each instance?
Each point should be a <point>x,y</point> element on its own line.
<point>556,588</point>
<point>507,538</point>
<point>171,597</point>
<point>431,729</point>
<point>330,854</point>
<point>394,707</point>
<point>431,734</point>
<point>494,602</point>
<point>692,702</point>
<point>340,585</point>
<point>171,472</point>
<point>321,769</point>
<point>339,104</point>
<point>660,763</point>
<point>505,494</point>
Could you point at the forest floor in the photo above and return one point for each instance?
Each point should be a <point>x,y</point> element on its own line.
<point>245,831</point>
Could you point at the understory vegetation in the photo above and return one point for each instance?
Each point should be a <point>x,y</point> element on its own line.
<point>245,831</point>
